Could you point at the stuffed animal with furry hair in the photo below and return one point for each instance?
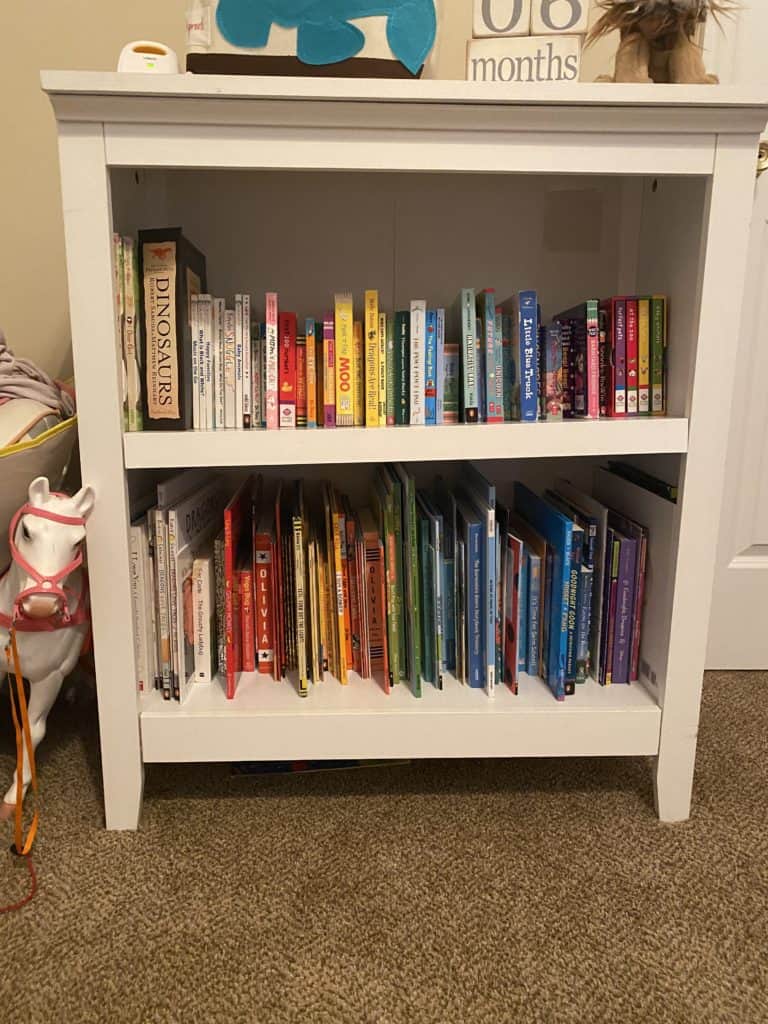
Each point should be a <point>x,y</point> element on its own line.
<point>658,38</point>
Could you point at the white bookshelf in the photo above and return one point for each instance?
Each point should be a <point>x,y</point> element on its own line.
<point>305,186</point>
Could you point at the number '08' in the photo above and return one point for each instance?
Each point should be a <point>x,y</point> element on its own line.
<point>559,16</point>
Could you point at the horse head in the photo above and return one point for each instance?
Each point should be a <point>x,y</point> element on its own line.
<point>46,537</point>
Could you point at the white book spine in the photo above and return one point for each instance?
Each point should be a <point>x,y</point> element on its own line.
<point>247,370</point>
<point>229,369</point>
<point>193,323</point>
<point>418,343</point>
<point>140,638</point>
<point>273,416</point>
<point>172,549</point>
<point>203,608</point>
<point>205,312</point>
<point>131,335</point>
<point>256,378</point>
<point>218,364</point>
<point>239,362</point>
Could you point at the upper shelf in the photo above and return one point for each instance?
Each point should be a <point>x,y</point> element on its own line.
<point>115,97</point>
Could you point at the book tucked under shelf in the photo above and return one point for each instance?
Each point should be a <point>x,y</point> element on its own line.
<point>192,362</point>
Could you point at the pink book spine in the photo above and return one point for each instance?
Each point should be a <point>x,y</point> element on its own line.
<point>593,363</point>
<point>329,370</point>
<point>272,355</point>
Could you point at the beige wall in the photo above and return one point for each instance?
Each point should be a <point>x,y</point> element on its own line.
<point>84,34</point>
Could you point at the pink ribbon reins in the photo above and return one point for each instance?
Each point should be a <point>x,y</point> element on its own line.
<point>45,586</point>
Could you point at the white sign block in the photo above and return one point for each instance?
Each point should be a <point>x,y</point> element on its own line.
<point>528,59</point>
<point>501,18</point>
<point>549,17</point>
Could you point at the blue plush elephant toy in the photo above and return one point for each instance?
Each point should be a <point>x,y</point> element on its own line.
<point>325,35</point>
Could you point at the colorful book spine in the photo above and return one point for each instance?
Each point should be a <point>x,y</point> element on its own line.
<point>440,368</point>
<point>247,367</point>
<point>345,361</point>
<point>131,346</point>
<point>642,554</point>
<point>469,395</point>
<point>248,655</point>
<point>382,339</point>
<point>624,620</point>
<point>619,357</point>
<point>287,378</point>
<point>358,349</point>
<point>229,369</point>
<point>300,599</point>
<point>389,327</point>
<point>372,412</point>
<point>528,337</point>
<point>329,371</point>
<point>511,358</point>
<point>238,362</point>
<point>553,373</point>
<point>593,359</point>
<point>402,367</point>
<point>632,358</point>
<point>311,363</point>
<point>498,372</point>
<point>604,358</point>
<point>567,377</point>
<point>610,588</point>
<point>301,380</point>
<point>273,362</point>
<point>523,614</point>
<point>573,599</point>
<point>194,323</point>
<point>583,622</point>
<point>452,382</point>
<point>534,613</point>
<point>474,602</point>
<point>658,353</point>
<point>644,356</point>
<point>417,353</point>
<point>264,605</point>
<point>487,313</point>
<point>430,369</point>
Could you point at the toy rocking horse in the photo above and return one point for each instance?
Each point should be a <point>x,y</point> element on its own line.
<point>48,619</point>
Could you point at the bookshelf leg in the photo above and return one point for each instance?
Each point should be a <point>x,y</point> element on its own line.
<point>674,780</point>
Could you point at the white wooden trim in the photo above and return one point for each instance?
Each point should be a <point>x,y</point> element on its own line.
<point>268,720</point>
<point>702,478</point>
<point>160,449</point>
<point>88,233</point>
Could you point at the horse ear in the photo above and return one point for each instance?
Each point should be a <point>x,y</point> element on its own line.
<point>84,501</point>
<point>39,491</point>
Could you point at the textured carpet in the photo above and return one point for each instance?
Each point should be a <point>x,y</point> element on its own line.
<point>436,892</point>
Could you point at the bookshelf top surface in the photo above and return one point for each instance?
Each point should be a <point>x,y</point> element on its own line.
<point>736,108</point>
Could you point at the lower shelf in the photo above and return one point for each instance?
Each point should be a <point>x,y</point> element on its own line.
<point>269,721</point>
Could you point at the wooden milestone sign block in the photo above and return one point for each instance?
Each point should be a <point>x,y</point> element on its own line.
<point>552,17</point>
<point>501,18</point>
<point>524,59</point>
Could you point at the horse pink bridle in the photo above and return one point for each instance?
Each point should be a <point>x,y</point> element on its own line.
<point>45,586</point>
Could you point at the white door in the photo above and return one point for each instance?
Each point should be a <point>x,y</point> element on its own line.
<point>738,632</point>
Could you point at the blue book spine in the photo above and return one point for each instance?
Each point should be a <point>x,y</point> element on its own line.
<point>528,338</point>
<point>573,600</point>
<point>583,622</point>
<point>557,530</point>
<point>440,368</point>
<point>475,551</point>
<point>534,613</point>
<point>498,350</point>
<point>622,642</point>
<point>430,370</point>
<point>522,615</point>
<point>487,315</point>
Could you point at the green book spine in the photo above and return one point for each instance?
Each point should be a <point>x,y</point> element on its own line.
<point>427,600</point>
<point>658,346</point>
<point>402,368</point>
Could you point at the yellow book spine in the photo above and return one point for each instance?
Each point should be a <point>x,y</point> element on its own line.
<point>341,632</point>
<point>345,362</point>
<point>372,417</point>
<point>382,369</point>
<point>644,356</point>
<point>358,362</point>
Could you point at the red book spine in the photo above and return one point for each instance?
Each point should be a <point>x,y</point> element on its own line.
<point>248,646</point>
<point>277,575</point>
<point>264,598</point>
<point>230,621</point>
<point>511,615</point>
<point>604,350</point>
<point>287,369</point>
<point>633,366</point>
<point>593,366</point>
<point>237,629</point>
<point>301,380</point>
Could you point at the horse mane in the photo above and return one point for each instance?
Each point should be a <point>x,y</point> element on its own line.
<point>672,16</point>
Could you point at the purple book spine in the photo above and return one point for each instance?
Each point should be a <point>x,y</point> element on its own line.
<point>328,370</point>
<point>622,648</point>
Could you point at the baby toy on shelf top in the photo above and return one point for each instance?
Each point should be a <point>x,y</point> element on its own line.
<point>658,38</point>
<point>393,37</point>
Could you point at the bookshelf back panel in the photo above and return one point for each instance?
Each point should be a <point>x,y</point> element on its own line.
<point>307,235</point>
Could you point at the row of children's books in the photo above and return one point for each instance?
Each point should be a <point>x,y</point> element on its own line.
<point>413,585</point>
<point>193,362</point>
